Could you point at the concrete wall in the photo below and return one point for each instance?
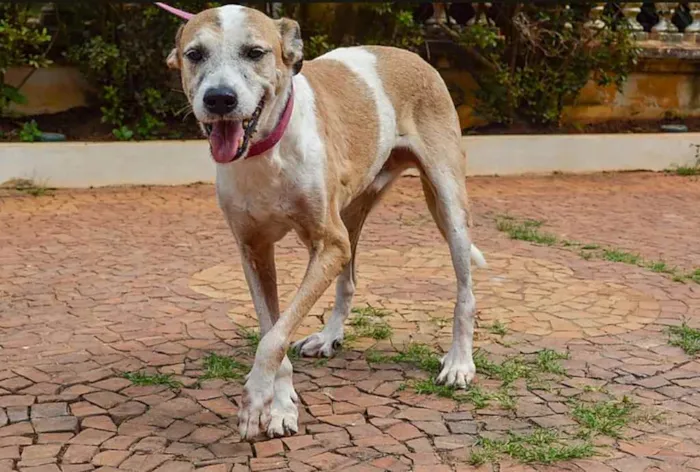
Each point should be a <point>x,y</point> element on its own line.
<point>183,162</point>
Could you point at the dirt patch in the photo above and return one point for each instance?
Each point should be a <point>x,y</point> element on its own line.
<point>85,124</point>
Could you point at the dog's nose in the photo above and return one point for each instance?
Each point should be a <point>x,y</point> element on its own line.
<point>220,100</point>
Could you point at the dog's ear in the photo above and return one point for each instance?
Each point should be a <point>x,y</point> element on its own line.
<point>292,45</point>
<point>173,59</point>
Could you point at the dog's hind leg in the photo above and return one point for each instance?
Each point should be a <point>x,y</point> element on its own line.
<point>325,342</point>
<point>445,191</point>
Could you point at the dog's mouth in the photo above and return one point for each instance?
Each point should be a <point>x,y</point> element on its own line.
<point>229,140</point>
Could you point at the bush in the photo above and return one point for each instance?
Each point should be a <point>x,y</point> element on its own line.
<point>22,43</point>
<point>536,61</point>
<point>540,57</point>
<point>122,51</point>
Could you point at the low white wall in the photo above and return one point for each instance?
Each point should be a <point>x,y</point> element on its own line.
<point>183,162</point>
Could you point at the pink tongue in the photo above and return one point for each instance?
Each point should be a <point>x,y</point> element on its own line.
<point>224,139</point>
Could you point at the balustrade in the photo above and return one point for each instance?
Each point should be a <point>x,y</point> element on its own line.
<point>671,21</point>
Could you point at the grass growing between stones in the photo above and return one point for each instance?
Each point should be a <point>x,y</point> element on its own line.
<point>686,338</point>
<point>604,418</point>
<point>544,446</point>
<point>529,230</point>
<point>144,379</point>
<point>535,372</point>
<point>498,328</point>
<point>368,322</point>
<point>223,367</point>
<point>526,230</point>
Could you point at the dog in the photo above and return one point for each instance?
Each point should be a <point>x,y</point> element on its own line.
<point>312,147</point>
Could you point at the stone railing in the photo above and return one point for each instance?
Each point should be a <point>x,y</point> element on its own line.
<point>669,21</point>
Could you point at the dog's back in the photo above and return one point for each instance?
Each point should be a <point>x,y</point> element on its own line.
<point>375,99</point>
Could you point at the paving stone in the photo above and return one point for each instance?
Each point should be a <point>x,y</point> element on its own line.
<point>103,423</point>
<point>205,435</point>
<point>7,401</point>
<point>17,414</point>
<point>404,431</point>
<point>105,400</point>
<point>231,449</point>
<point>176,466</point>
<point>9,452</point>
<point>119,442</point>
<point>79,454</point>
<point>110,458</point>
<point>50,410</point>
<point>42,468</point>
<point>151,444</point>
<point>58,424</point>
<point>144,462</point>
<point>127,410</point>
<point>91,437</point>
<point>30,453</point>
<point>269,448</point>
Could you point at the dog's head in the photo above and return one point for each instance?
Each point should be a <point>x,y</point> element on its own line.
<point>234,61</point>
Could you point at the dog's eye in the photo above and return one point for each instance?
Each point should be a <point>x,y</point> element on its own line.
<point>194,55</point>
<point>256,53</point>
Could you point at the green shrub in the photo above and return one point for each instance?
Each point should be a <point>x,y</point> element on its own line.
<point>541,57</point>
<point>23,42</point>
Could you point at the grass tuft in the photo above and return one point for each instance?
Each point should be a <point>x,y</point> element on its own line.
<point>544,446</point>
<point>685,337</point>
<point>526,230</point>
<point>420,356</point>
<point>548,361</point>
<point>368,323</point>
<point>498,328</point>
<point>143,379</point>
<point>252,336</point>
<point>223,367</point>
<point>686,171</point>
<point>616,255</point>
<point>606,418</point>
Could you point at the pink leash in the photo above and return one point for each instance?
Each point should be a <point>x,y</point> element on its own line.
<point>182,14</point>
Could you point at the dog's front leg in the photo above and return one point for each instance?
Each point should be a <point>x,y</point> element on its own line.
<point>258,260</point>
<point>327,258</point>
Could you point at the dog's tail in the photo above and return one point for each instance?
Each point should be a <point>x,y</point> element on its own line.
<point>478,257</point>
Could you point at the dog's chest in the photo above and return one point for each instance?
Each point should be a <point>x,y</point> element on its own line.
<point>267,191</point>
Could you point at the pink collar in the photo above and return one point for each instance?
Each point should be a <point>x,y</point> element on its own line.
<point>261,147</point>
<point>275,136</point>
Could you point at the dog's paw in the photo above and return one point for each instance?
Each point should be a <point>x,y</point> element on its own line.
<point>254,415</point>
<point>458,370</point>
<point>323,344</point>
<point>284,415</point>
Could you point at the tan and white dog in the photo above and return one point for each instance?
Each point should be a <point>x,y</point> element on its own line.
<point>360,116</point>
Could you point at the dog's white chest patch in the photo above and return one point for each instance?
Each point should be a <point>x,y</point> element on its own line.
<point>270,187</point>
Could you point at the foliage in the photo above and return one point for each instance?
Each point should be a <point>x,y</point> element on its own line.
<point>606,418</point>
<point>30,132</point>
<point>223,367</point>
<point>122,52</point>
<point>143,378</point>
<point>541,57</point>
<point>544,446</point>
<point>385,23</point>
<point>23,43</point>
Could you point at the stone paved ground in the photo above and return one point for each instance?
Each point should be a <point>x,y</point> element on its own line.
<point>97,283</point>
